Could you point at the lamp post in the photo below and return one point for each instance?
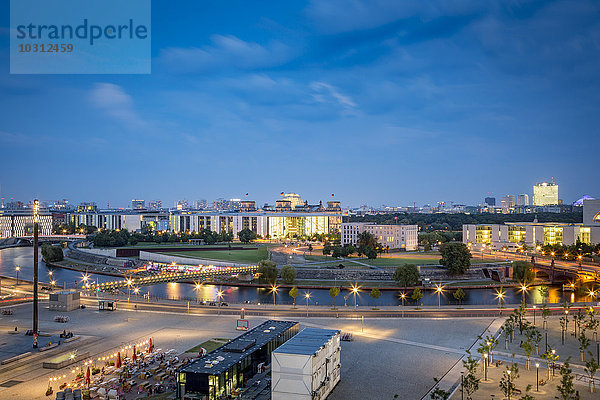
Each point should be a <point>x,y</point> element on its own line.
<point>537,377</point>
<point>355,291</point>
<point>509,385</point>
<point>128,289</point>
<point>219,298</point>
<point>534,307</point>
<point>485,356</point>
<point>439,290</point>
<point>274,291</point>
<point>17,268</point>
<point>403,297</point>
<point>523,289</point>
<point>36,226</point>
<point>553,353</point>
<point>307,296</point>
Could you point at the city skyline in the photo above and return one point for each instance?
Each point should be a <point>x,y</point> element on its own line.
<point>394,104</point>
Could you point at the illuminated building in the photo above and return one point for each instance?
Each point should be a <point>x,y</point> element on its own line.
<point>18,223</point>
<point>545,194</point>
<point>523,200</point>
<point>392,236</point>
<point>138,204</point>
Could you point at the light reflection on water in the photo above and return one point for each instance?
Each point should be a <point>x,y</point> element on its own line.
<point>23,256</point>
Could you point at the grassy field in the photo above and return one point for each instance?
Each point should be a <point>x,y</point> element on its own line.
<point>209,345</point>
<point>240,256</point>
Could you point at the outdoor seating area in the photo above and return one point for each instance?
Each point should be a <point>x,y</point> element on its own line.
<point>134,371</point>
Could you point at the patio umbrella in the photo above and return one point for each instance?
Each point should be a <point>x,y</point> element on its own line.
<point>134,356</point>
<point>150,346</point>
<point>87,376</point>
<point>118,364</point>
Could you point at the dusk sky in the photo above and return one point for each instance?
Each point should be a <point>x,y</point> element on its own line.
<point>379,102</point>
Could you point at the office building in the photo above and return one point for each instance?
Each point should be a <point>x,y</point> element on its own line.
<point>523,200</point>
<point>390,236</point>
<point>591,212</point>
<point>306,367</point>
<point>512,235</point>
<point>223,370</point>
<point>508,203</point>
<point>545,194</point>
<point>138,204</point>
<point>155,205</point>
<point>19,223</point>
<point>490,201</point>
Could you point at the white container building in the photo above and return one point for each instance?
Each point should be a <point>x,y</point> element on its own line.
<point>307,366</point>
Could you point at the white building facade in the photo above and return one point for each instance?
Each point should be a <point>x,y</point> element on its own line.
<point>19,223</point>
<point>393,236</point>
<point>306,367</point>
<point>545,194</point>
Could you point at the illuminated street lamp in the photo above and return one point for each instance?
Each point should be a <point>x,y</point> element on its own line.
<point>439,289</point>
<point>274,289</point>
<point>500,296</point>
<point>509,386</point>
<point>354,289</point>
<point>197,287</point>
<point>534,307</point>
<point>403,297</point>
<point>36,229</point>
<point>485,356</point>
<point>307,295</point>
<point>17,268</point>
<point>523,290</point>
<point>537,377</point>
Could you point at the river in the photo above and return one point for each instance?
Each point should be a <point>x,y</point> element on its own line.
<point>23,257</point>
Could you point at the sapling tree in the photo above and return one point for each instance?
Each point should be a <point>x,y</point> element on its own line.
<point>565,387</point>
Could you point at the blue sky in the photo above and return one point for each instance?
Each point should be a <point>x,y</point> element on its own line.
<point>379,102</point>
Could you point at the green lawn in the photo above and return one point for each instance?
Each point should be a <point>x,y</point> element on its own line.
<point>240,256</point>
<point>209,345</point>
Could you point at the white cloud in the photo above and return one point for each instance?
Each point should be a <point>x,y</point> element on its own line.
<point>117,104</point>
<point>226,51</point>
<point>326,93</point>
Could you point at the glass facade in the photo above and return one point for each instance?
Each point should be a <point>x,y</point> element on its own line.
<point>553,235</point>
<point>516,234</point>
<point>483,234</point>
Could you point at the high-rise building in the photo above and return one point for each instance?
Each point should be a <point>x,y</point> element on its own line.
<point>155,205</point>
<point>523,200</point>
<point>200,204</point>
<point>181,205</point>
<point>545,194</point>
<point>490,201</point>
<point>138,204</point>
<point>508,202</point>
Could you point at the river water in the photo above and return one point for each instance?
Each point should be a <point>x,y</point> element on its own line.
<point>23,257</point>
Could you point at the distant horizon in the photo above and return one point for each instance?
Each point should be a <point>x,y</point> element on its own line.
<point>325,199</point>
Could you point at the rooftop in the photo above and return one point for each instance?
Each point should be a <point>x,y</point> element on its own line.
<point>224,357</point>
<point>307,342</point>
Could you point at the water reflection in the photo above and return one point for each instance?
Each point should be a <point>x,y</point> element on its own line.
<point>23,257</point>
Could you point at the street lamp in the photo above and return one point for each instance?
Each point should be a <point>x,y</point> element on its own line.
<point>439,290</point>
<point>307,295</point>
<point>553,353</point>
<point>534,307</point>
<point>403,297</point>
<point>500,296</point>
<point>128,289</point>
<point>509,386</point>
<point>220,297</point>
<point>485,356</point>
<point>354,290</point>
<point>274,289</point>
<point>523,290</point>
<point>537,377</point>
<point>197,288</point>
<point>17,268</point>
<point>36,232</point>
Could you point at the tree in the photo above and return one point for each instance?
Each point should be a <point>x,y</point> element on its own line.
<point>293,294</point>
<point>52,253</point>
<point>459,295</point>
<point>456,257</point>
<point>367,245</point>
<point>333,292</point>
<point>565,387</point>
<point>417,295</point>
<point>584,343</point>
<point>288,274</point>
<point>327,249</point>
<point>439,394</point>
<point>470,383</point>
<point>268,271</point>
<point>544,291</point>
<point>246,235</point>
<point>527,395</point>
<point>507,382</point>
<point>406,275</point>
<point>310,247</point>
<point>591,367</point>
<point>523,272</point>
<point>375,293</point>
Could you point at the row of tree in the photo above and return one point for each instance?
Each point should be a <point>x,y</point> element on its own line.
<point>52,253</point>
<point>367,244</point>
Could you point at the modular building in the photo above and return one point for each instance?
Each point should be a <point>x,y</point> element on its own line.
<point>64,301</point>
<point>222,371</point>
<point>306,366</point>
